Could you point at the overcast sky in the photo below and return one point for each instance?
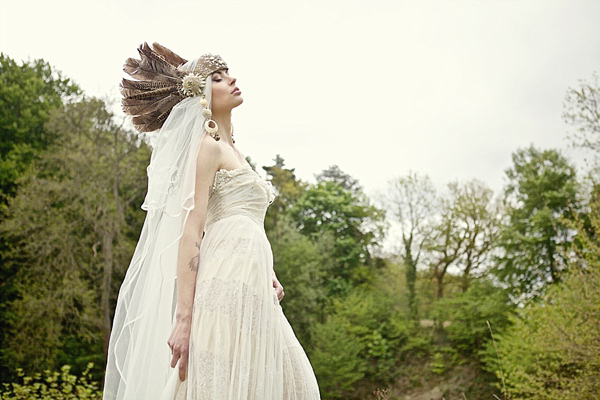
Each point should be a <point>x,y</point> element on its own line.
<point>444,88</point>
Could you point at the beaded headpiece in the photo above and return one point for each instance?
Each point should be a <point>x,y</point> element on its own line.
<point>161,83</point>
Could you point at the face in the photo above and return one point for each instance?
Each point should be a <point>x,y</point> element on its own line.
<point>225,93</point>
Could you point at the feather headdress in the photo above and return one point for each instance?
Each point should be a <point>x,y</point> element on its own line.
<point>159,84</point>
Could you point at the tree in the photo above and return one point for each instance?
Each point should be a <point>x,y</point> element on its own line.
<point>336,359</point>
<point>28,94</point>
<point>73,225</point>
<point>359,344</point>
<point>336,175</point>
<point>468,312</point>
<point>541,191</point>
<point>582,111</point>
<point>354,223</point>
<point>478,218</point>
<point>288,189</point>
<point>302,266</point>
<point>552,349</point>
<point>411,201</point>
<point>446,245</point>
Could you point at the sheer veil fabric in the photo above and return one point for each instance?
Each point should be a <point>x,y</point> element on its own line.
<point>138,363</point>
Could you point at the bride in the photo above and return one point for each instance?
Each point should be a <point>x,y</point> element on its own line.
<point>198,314</point>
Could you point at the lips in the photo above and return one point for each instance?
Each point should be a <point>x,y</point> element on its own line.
<point>236,90</point>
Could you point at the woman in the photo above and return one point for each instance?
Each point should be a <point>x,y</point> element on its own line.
<point>198,314</point>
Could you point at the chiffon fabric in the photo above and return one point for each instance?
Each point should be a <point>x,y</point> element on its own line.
<point>241,344</point>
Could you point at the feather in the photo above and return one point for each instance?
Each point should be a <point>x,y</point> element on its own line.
<point>150,60</point>
<point>144,107</point>
<point>151,67</point>
<point>153,93</point>
<point>134,94</point>
<point>150,122</point>
<point>171,57</point>
<point>143,85</point>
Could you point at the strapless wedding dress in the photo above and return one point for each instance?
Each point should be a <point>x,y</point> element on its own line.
<point>241,345</point>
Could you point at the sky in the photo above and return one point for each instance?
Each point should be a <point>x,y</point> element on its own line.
<point>449,89</point>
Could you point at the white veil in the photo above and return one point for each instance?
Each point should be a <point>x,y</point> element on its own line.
<point>138,363</point>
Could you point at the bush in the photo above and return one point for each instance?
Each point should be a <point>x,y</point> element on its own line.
<point>553,349</point>
<point>468,312</point>
<point>53,386</point>
<point>336,358</point>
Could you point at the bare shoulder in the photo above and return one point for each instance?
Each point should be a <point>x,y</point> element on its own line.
<point>209,156</point>
<point>209,146</point>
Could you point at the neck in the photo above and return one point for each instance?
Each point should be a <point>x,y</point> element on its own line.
<point>224,123</point>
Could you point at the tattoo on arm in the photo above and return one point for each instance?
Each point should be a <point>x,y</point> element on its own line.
<point>194,263</point>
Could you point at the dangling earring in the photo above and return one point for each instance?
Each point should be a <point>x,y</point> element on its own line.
<point>211,130</point>
<point>232,139</point>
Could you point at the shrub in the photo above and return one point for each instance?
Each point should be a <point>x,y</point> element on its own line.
<point>53,386</point>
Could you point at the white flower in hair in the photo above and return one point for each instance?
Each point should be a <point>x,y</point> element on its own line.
<point>192,85</point>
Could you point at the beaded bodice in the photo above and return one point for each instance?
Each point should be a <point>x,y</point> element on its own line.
<point>240,191</point>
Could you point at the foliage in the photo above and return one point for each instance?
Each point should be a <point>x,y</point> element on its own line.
<point>478,216</point>
<point>582,111</point>
<point>335,358</point>
<point>541,191</point>
<point>336,175</point>
<point>28,94</point>
<point>355,224</point>
<point>72,227</point>
<point>301,265</point>
<point>412,201</point>
<point>53,386</point>
<point>288,189</point>
<point>358,344</point>
<point>464,234</point>
<point>553,349</point>
<point>468,312</point>
<point>369,320</point>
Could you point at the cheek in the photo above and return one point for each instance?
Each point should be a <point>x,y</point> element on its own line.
<point>219,92</point>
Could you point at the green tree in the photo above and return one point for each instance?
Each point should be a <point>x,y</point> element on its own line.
<point>302,267</point>
<point>288,189</point>
<point>478,217</point>
<point>467,313</point>
<point>540,193</point>
<point>359,344</point>
<point>412,202</point>
<point>28,94</point>
<point>336,175</point>
<point>73,225</point>
<point>355,224</point>
<point>553,349</point>
<point>336,359</point>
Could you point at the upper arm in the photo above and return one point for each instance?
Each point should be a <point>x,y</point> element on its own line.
<point>207,164</point>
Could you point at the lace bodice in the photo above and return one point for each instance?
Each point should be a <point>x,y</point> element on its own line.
<point>240,191</point>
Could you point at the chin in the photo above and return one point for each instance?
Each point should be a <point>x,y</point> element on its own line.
<point>239,101</point>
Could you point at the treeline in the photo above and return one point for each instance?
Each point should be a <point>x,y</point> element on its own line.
<point>484,294</point>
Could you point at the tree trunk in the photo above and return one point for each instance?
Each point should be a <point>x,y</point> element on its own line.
<point>465,281</point>
<point>440,286</point>
<point>411,278</point>
<point>107,254</point>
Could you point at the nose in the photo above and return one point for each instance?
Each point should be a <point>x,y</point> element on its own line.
<point>233,80</point>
